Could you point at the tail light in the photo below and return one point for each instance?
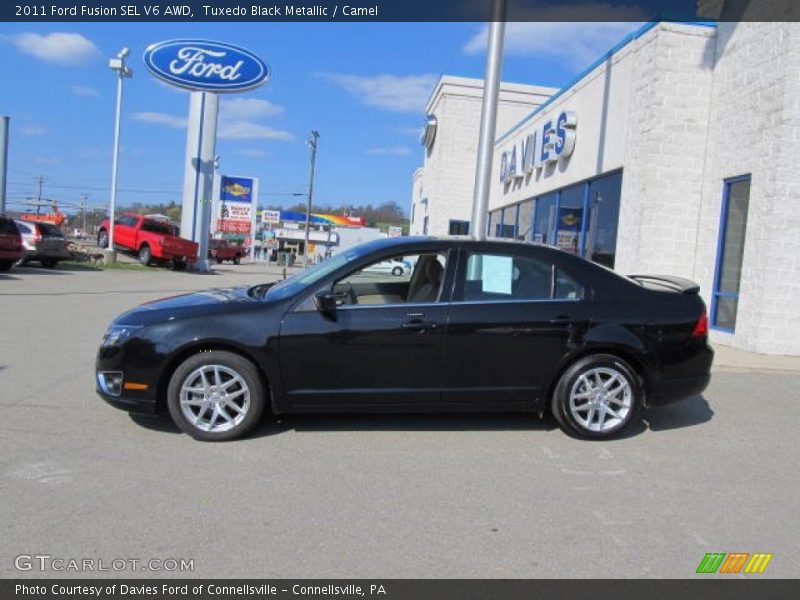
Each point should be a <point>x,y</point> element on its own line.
<point>37,236</point>
<point>701,327</point>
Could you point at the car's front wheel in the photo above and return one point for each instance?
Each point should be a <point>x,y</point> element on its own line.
<point>597,397</point>
<point>216,396</point>
<point>397,271</point>
<point>102,239</point>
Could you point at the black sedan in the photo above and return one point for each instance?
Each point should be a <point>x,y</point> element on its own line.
<point>472,326</point>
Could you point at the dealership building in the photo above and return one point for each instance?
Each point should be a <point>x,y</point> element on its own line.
<point>675,153</point>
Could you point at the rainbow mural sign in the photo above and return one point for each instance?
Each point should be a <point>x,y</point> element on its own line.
<point>323,219</point>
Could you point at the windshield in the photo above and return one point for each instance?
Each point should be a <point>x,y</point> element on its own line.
<point>308,277</point>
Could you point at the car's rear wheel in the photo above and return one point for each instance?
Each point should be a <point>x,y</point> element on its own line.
<point>178,264</point>
<point>145,255</point>
<point>597,397</point>
<point>216,396</point>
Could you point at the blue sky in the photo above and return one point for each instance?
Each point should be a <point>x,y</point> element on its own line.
<point>362,86</point>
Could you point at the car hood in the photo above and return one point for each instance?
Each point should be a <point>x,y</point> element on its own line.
<point>206,302</point>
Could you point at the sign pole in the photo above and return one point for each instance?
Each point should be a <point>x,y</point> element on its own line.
<point>491,90</point>
<point>198,175</point>
<point>3,161</point>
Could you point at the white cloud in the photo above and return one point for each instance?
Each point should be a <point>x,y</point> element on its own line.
<point>576,44</point>
<point>248,130</point>
<point>59,48</point>
<point>388,151</point>
<point>158,118</point>
<point>83,90</point>
<point>235,120</point>
<point>33,130</point>
<point>253,153</point>
<point>392,92</point>
<point>412,131</point>
<point>247,108</point>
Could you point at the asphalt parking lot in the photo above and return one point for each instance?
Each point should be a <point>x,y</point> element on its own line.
<point>371,496</point>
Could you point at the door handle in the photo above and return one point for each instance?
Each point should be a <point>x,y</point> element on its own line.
<point>417,325</point>
<point>561,320</point>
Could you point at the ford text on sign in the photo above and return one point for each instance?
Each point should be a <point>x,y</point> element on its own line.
<point>206,66</point>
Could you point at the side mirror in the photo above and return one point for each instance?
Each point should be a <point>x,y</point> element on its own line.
<point>326,304</point>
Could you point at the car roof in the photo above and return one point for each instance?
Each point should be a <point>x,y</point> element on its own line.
<point>399,242</point>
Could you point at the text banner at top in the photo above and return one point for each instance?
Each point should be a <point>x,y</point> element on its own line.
<point>394,10</point>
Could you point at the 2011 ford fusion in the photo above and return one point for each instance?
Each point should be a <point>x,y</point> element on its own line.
<point>474,326</point>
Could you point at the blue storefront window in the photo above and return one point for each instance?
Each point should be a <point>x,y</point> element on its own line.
<point>730,253</point>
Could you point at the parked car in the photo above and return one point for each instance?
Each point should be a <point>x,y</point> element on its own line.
<point>221,250</point>
<point>10,243</point>
<point>394,266</point>
<point>152,240</point>
<point>42,242</point>
<point>479,326</point>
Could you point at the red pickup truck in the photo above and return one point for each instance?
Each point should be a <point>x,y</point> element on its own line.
<point>220,250</point>
<point>151,239</point>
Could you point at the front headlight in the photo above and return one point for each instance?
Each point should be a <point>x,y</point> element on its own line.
<point>116,334</point>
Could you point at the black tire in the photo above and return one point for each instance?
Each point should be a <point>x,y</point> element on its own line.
<point>397,271</point>
<point>237,259</point>
<point>49,263</point>
<point>233,362</point>
<point>102,239</point>
<point>219,261</point>
<point>178,265</point>
<point>593,366</point>
<point>145,255</point>
<point>5,265</point>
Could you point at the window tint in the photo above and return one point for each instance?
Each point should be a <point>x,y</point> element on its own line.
<point>157,227</point>
<point>413,279</point>
<point>22,228</point>
<point>7,226</point>
<point>127,220</point>
<point>50,230</point>
<point>491,277</point>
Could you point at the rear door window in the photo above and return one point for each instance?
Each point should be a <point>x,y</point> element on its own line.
<point>502,277</point>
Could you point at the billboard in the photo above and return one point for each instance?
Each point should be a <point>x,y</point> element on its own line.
<point>235,205</point>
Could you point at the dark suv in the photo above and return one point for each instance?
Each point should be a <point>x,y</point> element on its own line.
<point>10,243</point>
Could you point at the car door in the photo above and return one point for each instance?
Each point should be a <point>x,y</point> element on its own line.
<point>382,352</point>
<point>125,231</point>
<point>513,316</point>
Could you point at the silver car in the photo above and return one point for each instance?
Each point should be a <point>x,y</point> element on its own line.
<point>42,242</point>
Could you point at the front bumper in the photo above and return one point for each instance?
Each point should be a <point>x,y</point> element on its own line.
<point>134,391</point>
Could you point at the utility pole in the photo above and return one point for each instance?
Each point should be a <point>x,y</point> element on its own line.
<point>312,143</point>
<point>41,181</point>
<point>491,90</point>
<point>84,198</point>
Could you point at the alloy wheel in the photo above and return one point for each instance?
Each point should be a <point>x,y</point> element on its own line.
<point>600,399</point>
<point>214,398</point>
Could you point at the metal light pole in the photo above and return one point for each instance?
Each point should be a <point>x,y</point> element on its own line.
<point>123,71</point>
<point>491,89</point>
<point>3,161</point>
<point>313,145</point>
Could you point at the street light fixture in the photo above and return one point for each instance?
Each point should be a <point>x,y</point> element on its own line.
<point>312,143</point>
<point>123,72</point>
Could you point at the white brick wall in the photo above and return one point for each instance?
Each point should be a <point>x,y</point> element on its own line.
<point>754,128</point>
<point>448,177</point>
<point>680,109</point>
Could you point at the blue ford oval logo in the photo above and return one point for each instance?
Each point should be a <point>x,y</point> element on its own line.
<point>205,66</point>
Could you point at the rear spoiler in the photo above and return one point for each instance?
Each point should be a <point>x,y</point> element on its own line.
<point>668,282</point>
